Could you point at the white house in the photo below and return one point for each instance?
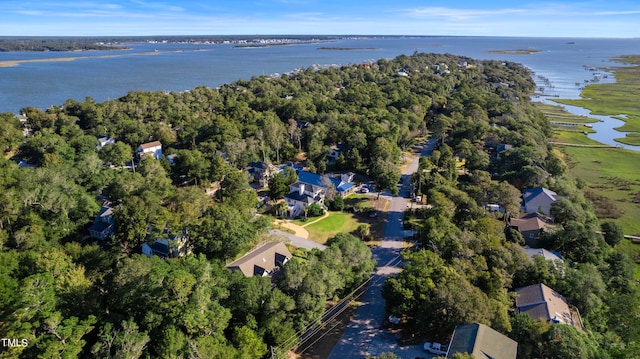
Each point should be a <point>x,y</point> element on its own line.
<point>150,149</point>
<point>105,141</point>
<point>22,118</point>
<point>312,188</point>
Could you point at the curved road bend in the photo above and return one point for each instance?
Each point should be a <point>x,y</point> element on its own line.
<point>363,336</point>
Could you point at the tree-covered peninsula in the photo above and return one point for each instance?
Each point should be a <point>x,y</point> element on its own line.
<point>68,294</point>
<point>40,44</point>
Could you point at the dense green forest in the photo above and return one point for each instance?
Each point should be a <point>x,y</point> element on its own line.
<point>73,298</point>
<point>53,44</point>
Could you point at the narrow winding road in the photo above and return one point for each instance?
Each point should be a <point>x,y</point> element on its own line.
<point>364,337</point>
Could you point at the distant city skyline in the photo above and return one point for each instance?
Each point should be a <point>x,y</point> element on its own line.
<point>596,18</point>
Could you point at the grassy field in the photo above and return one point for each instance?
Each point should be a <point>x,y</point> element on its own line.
<point>631,139</point>
<point>612,173</point>
<point>577,138</point>
<point>612,178</point>
<point>614,99</point>
<point>335,223</point>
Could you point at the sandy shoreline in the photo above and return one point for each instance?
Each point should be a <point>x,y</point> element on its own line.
<point>10,63</point>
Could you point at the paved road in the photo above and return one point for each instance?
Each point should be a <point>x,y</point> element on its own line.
<point>364,337</point>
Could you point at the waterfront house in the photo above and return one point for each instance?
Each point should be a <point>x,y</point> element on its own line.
<point>543,253</point>
<point>22,118</point>
<point>531,226</point>
<point>539,199</point>
<point>542,302</point>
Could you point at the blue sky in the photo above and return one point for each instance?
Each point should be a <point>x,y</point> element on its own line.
<point>595,18</point>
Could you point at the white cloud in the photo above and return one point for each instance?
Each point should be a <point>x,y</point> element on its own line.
<point>458,14</point>
<point>574,10</point>
<point>157,6</point>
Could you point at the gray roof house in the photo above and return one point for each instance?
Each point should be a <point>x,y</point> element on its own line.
<point>542,302</point>
<point>482,342</point>
<point>260,172</point>
<point>103,224</point>
<point>172,246</point>
<point>263,260</point>
<point>547,255</point>
<point>539,199</point>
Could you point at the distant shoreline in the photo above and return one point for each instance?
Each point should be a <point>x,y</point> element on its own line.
<point>11,63</point>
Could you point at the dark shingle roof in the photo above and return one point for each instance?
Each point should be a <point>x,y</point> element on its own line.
<point>483,342</point>
<point>100,226</point>
<point>542,302</point>
<point>300,197</point>
<point>531,222</point>
<point>263,259</point>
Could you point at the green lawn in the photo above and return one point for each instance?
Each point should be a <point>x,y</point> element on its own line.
<point>335,223</point>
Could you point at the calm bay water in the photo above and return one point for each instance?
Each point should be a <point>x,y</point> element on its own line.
<point>105,75</point>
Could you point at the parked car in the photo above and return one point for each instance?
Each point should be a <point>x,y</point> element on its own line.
<point>436,348</point>
<point>417,199</point>
<point>364,190</point>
